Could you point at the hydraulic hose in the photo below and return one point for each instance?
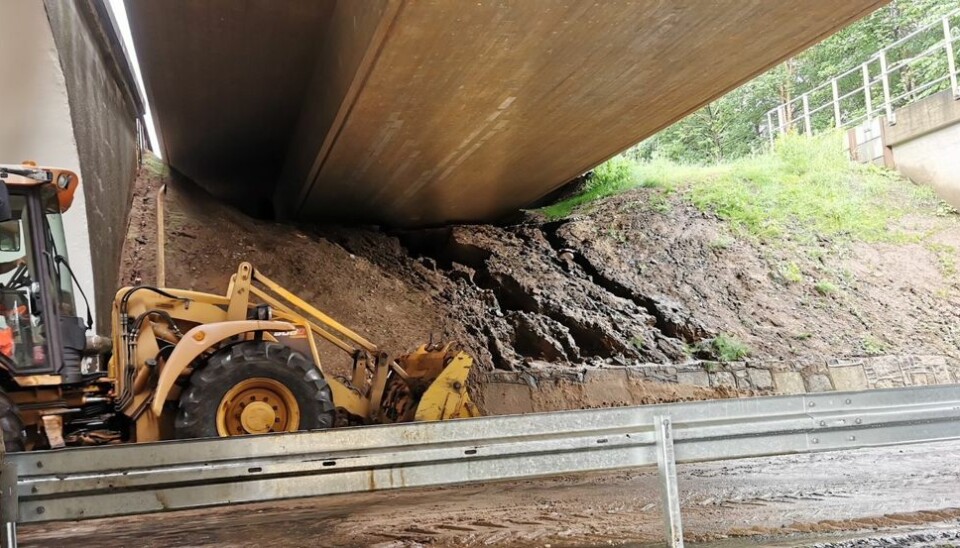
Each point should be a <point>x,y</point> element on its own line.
<point>128,335</point>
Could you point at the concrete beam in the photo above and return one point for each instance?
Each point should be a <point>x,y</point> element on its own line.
<point>922,117</point>
<point>413,113</point>
<point>226,79</point>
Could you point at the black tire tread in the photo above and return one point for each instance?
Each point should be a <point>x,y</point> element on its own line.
<point>196,417</point>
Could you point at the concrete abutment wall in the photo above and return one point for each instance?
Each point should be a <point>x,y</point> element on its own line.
<point>923,143</point>
<point>545,390</point>
<point>104,108</point>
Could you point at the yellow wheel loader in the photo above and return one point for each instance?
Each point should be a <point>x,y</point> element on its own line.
<point>182,364</point>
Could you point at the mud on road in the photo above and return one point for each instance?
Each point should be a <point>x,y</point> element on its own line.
<point>784,501</point>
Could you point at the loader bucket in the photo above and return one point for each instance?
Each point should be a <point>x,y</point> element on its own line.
<point>435,387</point>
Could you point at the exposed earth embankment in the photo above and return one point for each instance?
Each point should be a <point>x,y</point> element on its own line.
<point>644,280</point>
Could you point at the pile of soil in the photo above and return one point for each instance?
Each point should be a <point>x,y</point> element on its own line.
<point>643,277</point>
<point>206,241</point>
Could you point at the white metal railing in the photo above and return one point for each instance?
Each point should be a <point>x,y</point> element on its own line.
<point>84,483</point>
<point>915,66</point>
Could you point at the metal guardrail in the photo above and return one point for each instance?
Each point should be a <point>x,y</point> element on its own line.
<point>877,86</point>
<point>81,483</point>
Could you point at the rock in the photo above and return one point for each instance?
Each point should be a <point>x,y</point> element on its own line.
<point>761,379</point>
<point>818,383</point>
<point>695,378</point>
<point>788,382</point>
<point>723,379</point>
<point>849,378</point>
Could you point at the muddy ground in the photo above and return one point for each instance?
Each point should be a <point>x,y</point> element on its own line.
<point>399,291</point>
<point>641,278</point>
<point>906,496</point>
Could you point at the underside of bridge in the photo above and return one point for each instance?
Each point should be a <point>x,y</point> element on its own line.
<point>418,112</point>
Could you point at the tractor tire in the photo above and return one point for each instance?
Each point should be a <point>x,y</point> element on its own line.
<point>254,387</point>
<point>14,436</point>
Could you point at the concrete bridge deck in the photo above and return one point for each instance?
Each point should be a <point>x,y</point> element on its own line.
<point>415,112</point>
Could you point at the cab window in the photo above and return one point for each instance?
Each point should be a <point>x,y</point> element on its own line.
<point>22,330</point>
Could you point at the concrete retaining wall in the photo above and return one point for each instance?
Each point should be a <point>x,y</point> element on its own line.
<point>35,123</point>
<point>104,113</point>
<point>536,390</point>
<point>923,144</point>
<point>926,144</point>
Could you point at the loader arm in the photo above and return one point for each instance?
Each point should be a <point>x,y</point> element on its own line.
<point>445,398</point>
<point>157,359</point>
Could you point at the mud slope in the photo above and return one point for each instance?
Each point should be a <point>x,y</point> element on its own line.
<point>206,241</point>
<point>883,298</point>
<point>632,282</point>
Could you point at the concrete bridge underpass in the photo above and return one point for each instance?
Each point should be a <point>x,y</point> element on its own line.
<point>416,112</point>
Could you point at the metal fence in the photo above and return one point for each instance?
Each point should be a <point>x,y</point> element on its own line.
<point>919,64</point>
<point>82,483</point>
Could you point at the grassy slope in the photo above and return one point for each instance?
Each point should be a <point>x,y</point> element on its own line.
<point>802,190</point>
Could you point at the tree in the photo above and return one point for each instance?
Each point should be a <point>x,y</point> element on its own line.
<point>734,125</point>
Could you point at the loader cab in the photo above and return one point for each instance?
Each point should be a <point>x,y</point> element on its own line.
<point>41,335</point>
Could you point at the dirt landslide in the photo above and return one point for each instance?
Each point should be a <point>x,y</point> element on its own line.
<point>643,278</point>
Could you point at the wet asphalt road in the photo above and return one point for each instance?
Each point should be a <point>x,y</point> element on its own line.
<point>830,499</point>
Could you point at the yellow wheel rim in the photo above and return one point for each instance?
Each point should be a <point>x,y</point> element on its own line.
<point>257,406</point>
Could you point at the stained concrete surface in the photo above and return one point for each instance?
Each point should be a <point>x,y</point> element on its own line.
<point>423,112</point>
<point>925,140</point>
<point>226,81</point>
<point>103,112</point>
<point>63,105</point>
<point>793,500</point>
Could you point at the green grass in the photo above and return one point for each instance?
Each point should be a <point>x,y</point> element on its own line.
<point>825,288</point>
<point>790,272</point>
<point>154,165</point>
<point>725,348</point>
<point>946,257</point>
<point>803,189</point>
<point>611,177</point>
<point>873,347</point>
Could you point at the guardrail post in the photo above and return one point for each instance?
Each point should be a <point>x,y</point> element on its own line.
<point>667,465</point>
<point>806,115</point>
<point>885,79</point>
<point>9,505</point>
<point>951,60</point>
<point>9,534</point>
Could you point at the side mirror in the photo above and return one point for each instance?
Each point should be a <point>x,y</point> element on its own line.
<point>5,212</point>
